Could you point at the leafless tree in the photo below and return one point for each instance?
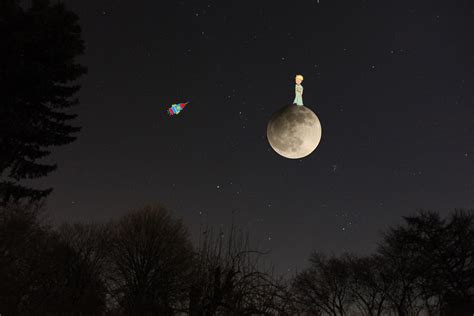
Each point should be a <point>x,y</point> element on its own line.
<point>324,287</point>
<point>441,258</point>
<point>150,259</point>
<point>230,278</point>
<point>368,284</point>
<point>400,269</point>
<point>90,245</point>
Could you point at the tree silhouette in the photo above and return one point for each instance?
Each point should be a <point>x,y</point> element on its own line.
<point>144,264</point>
<point>40,274</point>
<point>37,66</point>
<point>401,269</point>
<point>324,286</point>
<point>229,278</point>
<point>19,234</point>
<point>368,284</point>
<point>457,263</point>
<point>86,273</point>
<point>150,260</point>
<point>442,258</point>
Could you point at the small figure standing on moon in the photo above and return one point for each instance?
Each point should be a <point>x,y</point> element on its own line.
<point>298,90</point>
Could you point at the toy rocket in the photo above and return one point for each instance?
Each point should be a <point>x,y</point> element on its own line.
<point>176,108</point>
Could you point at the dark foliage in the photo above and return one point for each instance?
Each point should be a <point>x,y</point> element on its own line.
<point>41,274</point>
<point>37,66</point>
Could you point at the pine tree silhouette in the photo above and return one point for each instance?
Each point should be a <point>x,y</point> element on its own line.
<point>37,68</point>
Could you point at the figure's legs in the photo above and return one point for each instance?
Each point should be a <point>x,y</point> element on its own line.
<point>299,101</point>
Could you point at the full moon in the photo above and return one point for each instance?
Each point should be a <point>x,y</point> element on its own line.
<point>294,131</point>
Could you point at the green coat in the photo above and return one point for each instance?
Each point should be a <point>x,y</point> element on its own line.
<point>298,95</point>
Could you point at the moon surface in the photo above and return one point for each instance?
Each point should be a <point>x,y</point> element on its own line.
<point>294,131</point>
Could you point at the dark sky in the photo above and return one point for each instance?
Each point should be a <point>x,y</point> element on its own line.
<point>391,82</point>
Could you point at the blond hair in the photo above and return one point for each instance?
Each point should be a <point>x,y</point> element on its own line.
<point>299,77</point>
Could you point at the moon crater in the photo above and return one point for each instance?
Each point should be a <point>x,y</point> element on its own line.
<point>294,131</point>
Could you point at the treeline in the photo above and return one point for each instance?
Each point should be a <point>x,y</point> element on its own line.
<point>145,264</point>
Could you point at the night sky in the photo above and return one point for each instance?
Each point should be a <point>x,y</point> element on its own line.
<point>391,82</point>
